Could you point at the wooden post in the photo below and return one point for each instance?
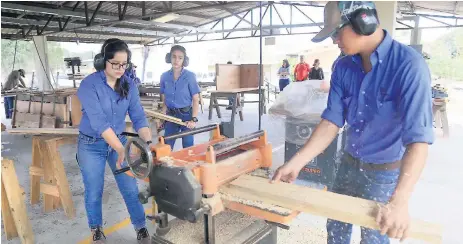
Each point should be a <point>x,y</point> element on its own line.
<point>14,209</point>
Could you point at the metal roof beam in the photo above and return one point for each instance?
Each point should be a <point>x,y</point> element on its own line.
<point>113,30</point>
<point>100,18</point>
<point>72,39</point>
<point>251,28</point>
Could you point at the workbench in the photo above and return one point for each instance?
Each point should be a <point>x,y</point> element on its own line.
<point>237,94</point>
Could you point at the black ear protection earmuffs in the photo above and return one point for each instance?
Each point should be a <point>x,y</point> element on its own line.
<point>186,60</point>
<point>99,61</point>
<point>364,21</point>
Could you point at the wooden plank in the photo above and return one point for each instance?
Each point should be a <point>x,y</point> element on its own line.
<point>36,163</point>
<point>45,131</point>
<point>327,204</point>
<point>164,117</point>
<point>48,121</point>
<point>8,221</point>
<point>49,189</point>
<point>249,75</point>
<point>27,120</point>
<point>236,90</point>
<point>227,76</point>
<point>49,177</point>
<point>37,171</point>
<point>61,179</point>
<point>61,111</point>
<point>15,197</point>
<point>76,110</point>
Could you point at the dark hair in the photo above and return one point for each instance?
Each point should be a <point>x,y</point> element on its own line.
<point>316,61</point>
<point>229,62</point>
<point>109,49</point>
<point>178,48</point>
<point>285,61</point>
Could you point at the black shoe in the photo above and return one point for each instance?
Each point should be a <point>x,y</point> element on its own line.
<point>98,236</point>
<point>143,237</point>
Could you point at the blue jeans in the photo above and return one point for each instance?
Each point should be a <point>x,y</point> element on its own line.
<point>283,83</point>
<point>92,154</point>
<point>172,128</point>
<point>9,106</point>
<point>367,184</point>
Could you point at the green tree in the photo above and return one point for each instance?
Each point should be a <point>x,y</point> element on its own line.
<point>447,55</point>
<point>23,56</point>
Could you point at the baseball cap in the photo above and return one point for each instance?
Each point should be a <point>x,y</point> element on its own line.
<point>337,14</point>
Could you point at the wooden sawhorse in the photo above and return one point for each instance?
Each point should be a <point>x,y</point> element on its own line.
<point>47,165</point>
<point>14,211</point>
<point>237,106</point>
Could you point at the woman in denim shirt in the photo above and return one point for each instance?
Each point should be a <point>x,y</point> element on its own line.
<point>284,74</point>
<point>107,96</point>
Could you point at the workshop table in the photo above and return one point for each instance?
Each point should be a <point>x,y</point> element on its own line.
<point>237,95</point>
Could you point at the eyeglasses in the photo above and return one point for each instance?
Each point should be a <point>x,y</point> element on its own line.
<point>117,66</point>
<point>336,31</point>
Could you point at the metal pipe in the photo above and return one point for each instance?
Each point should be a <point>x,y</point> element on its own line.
<point>191,132</point>
<point>260,67</point>
<point>230,144</point>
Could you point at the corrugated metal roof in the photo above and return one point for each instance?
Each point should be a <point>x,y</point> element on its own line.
<point>196,13</point>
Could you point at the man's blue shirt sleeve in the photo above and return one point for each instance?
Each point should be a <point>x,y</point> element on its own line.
<point>334,111</point>
<point>416,103</point>
<point>88,97</point>
<point>136,112</point>
<point>193,84</point>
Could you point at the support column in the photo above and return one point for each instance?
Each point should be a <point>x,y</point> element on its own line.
<point>42,67</point>
<point>146,53</point>
<point>387,15</point>
<point>416,32</point>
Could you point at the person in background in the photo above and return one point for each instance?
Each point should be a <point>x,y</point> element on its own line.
<point>284,74</point>
<point>180,95</point>
<point>15,80</point>
<point>131,73</point>
<point>301,72</point>
<point>107,96</point>
<point>381,91</point>
<point>316,73</point>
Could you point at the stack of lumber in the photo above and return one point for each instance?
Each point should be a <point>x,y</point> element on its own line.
<point>322,203</point>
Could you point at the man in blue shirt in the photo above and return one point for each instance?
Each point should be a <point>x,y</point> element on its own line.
<point>380,89</point>
<point>180,95</point>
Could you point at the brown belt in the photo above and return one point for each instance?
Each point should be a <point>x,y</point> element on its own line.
<point>369,166</point>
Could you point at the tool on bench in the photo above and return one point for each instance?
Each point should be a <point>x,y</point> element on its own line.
<point>185,183</point>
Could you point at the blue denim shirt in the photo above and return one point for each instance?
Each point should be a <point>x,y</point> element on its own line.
<point>102,107</point>
<point>179,93</point>
<point>385,109</point>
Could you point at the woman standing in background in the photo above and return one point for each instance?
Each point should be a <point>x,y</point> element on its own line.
<point>283,73</point>
<point>317,72</point>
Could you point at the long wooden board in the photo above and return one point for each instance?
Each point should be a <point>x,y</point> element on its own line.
<point>164,117</point>
<point>44,131</point>
<point>327,204</point>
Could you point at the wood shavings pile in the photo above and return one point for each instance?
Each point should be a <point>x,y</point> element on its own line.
<point>264,173</point>
<point>258,204</point>
<point>167,161</point>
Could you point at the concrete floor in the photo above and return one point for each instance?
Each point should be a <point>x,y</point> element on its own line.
<point>436,198</point>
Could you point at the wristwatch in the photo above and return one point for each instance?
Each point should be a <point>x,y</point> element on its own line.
<point>194,119</point>
<point>149,142</point>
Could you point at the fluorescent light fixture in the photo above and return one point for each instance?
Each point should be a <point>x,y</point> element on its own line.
<point>166,18</point>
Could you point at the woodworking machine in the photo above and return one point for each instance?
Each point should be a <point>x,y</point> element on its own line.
<point>185,183</point>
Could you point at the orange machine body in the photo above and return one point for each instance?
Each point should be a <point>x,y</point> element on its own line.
<point>213,170</point>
